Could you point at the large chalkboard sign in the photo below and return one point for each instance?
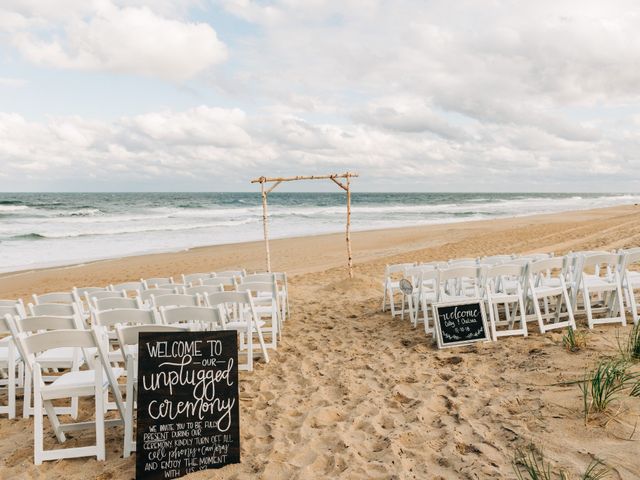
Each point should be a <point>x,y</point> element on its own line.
<point>188,411</point>
<point>460,323</point>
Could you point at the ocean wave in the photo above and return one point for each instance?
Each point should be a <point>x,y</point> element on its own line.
<point>10,207</point>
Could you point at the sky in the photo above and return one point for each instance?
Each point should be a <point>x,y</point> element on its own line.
<point>204,95</point>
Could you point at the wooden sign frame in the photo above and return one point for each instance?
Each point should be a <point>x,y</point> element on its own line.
<point>467,301</point>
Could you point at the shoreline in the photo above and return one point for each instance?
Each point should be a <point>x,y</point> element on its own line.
<point>367,245</point>
<point>451,220</point>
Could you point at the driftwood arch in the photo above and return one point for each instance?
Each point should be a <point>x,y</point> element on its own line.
<point>346,186</point>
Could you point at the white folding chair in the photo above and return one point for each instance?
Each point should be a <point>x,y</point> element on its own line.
<point>546,283</point>
<point>600,278</point>
<point>631,281</point>
<point>425,282</point>
<point>391,285</point>
<point>94,382</point>
<point>54,359</point>
<point>11,363</point>
<point>128,342</point>
<point>266,303</point>
<point>109,303</point>
<point>281,283</point>
<point>241,316</point>
<point>505,287</point>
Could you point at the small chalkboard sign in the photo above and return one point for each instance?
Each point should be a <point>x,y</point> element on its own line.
<point>188,407</point>
<point>460,323</point>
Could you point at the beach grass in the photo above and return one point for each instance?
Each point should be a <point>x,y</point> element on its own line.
<point>529,463</point>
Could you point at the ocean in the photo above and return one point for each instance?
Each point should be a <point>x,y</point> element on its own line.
<point>48,229</point>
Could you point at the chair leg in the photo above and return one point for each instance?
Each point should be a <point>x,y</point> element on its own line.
<point>263,347</point>
<point>536,308</point>
<point>623,318</point>
<point>384,298</point>
<point>26,404</point>
<point>128,420</point>
<point>572,320</point>
<point>633,305</point>
<point>100,407</point>
<point>38,434</point>
<point>587,304</point>
<point>11,379</point>
<point>53,419</point>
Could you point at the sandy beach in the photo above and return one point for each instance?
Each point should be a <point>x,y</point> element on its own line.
<point>353,393</point>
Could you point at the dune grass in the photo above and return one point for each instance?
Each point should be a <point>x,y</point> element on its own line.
<point>604,384</point>
<point>574,341</point>
<point>630,348</point>
<point>529,464</point>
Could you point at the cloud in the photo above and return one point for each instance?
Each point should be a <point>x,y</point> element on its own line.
<point>131,40</point>
<point>12,82</point>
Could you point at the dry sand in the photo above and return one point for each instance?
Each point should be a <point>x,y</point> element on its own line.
<point>353,393</point>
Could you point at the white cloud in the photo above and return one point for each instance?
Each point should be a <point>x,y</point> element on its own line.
<point>127,39</point>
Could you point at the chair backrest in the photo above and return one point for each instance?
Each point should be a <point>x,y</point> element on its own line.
<point>202,289</point>
<point>156,281</point>
<point>54,297</point>
<point>390,269</point>
<point>209,316</point>
<point>45,323</point>
<point>174,300</point>
<point>258,277</point>
<point>497,274</point>
<point>103,294</point>
<point>467,271</point>
<point>194,277</point>
<point>601,259</point>
<point>128,335</point>
<point>10,303</point>
<point>100,304</point>
<point>259,287</point>
<point>146,294</point>
<point>224,281</point>
<point>31,345</point>
<point>496,259</point>
<point>126,316</point>
<point>222,298</point>
<point>128,287</point>
<point>53,309</point>
<point>550,267</point>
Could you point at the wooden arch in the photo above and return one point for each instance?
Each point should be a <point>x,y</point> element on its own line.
<point>346,186</point>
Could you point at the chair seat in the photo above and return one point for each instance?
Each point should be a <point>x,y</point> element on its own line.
<point>76,383</point>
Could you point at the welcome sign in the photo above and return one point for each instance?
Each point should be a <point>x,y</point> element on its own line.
<point>188,410</point>
<point>460,323</point>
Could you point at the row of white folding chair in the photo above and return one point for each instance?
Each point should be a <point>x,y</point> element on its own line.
<point>497,285</point>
